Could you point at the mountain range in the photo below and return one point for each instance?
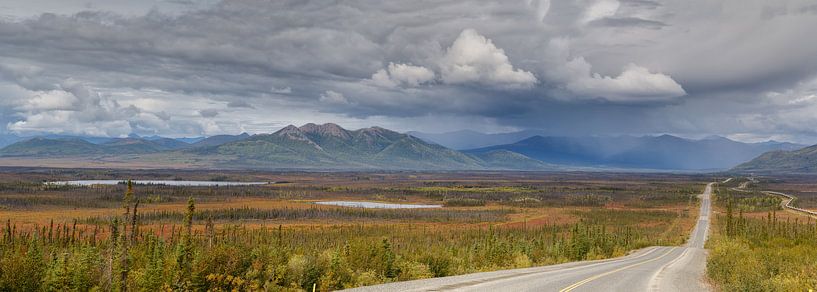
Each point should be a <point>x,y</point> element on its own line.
<point>8,139</point>
<point>330,146</point>
<point>310,146</point>
<point>62,145</point>
<point>665,152</point>
<point>796,161</point>
<point>468,139</point>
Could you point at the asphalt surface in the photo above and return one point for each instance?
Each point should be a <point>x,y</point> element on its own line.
<point>657,268</point>
<point>785,204</point>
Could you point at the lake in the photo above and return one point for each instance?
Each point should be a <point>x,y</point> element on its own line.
<point>374,205</point>
<point>186,183</point>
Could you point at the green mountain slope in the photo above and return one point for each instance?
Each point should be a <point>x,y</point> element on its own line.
<point>79,147</point>
<point>505,159</point>
<point>311,146</point>
<point>798,161</point>
<point>288,147</point>
<point>51,147</point>
<point>330,146</point>
<point>132,146</point>
<point>219,140</point>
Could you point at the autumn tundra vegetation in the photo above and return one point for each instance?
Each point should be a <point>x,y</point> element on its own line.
<point>273,237</point>
<point>758,246</point>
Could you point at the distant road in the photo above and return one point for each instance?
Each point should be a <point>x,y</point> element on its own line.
<point>657,268</point>
<point>785,203</point>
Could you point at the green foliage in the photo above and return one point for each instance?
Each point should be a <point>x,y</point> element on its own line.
<point>331,257</point>
<point>76,270</point>
<point>464,202</point>
<point>22,269</point>
<point>797,161</point>
<point>587,200</point>
<point>329,146</point>
<point>240,257</point>
<point>184,250</point>
<point>320,212</point>
<point>763,255</point>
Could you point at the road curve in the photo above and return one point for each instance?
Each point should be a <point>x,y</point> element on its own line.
<point>785,204</point>
<point>657,268</point>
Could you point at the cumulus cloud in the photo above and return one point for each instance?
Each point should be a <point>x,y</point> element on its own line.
<point>332,97</point>
<point>600,9</point>
<point>402,75</point>
<point>50,100</point>
<point>74,108</point>
<point>473,58</point>
<point>634,84</point>
<point>279,57</point>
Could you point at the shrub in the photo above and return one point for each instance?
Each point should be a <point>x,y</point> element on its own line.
<point>464,202</point>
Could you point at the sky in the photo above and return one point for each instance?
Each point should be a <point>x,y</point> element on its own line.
<point>744,69</point>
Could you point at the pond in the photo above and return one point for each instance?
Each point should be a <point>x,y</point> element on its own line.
<point>375,205</point>
<point>186,183</point>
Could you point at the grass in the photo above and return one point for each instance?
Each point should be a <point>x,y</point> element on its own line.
<point>332,257</point>
<point>464,203</point>
<point>761,253</point>
<point>319,213</point>
<point>272,237</point>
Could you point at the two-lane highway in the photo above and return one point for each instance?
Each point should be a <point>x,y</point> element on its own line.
<point>656,268</point>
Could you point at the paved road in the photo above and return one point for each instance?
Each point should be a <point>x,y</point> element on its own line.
<point>655,268</point>
<point>785,204</point>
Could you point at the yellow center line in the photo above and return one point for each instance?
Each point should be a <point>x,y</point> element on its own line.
<point>585,281</point>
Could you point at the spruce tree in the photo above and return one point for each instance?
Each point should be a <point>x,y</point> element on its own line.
<point>185,250</point>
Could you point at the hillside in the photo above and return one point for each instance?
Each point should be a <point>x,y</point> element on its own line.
<point>329,146</point>
<point>51,147</point>
<point>41,146</point>
<point>504,159</point>
<point>467,139</point>
<point>647,152</point>
<point>219,140</point>
<point>797,161</point>
<point>8,139</point>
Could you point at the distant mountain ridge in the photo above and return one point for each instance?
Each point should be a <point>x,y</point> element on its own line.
<point>63,145</point>
<point>665,152</point>
<point>330,146</point>
<point>40,146</point>
<point>310,146</point>
<point>468,139</point>
<point>8,139</point>
<point>219,140</point>
<point>797,161</point>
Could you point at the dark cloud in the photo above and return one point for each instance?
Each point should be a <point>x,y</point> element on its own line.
<point>590,66</point>
<point>209,113</point>
<point>645,4</point>
<point>628,22</point>
<point>239,104</point>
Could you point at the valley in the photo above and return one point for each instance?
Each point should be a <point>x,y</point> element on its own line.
<point>277,236</point>
<point>331,147</point>
<point>418,146</point>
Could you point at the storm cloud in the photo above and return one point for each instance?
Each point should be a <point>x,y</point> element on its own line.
<point>744,69</point>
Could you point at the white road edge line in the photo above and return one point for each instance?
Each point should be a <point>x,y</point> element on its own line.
<point>515,277</point>
<point>653,283</point>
